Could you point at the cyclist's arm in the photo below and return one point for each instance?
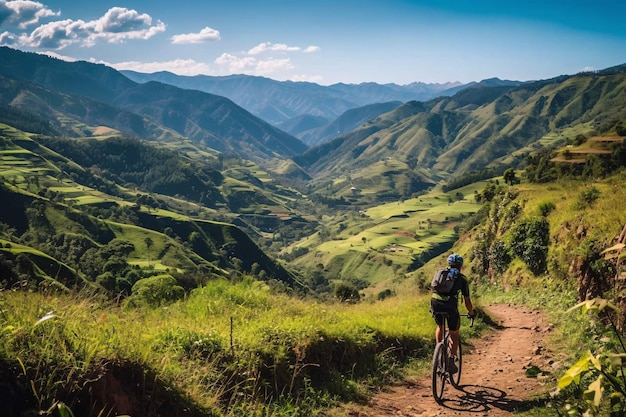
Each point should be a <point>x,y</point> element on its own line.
<point>468,305</point>
<point>466,297</point>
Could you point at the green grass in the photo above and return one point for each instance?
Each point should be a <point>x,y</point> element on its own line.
<point>154,265</point>
<point>569,132</point>
<point>137,236</point>
<point>291,333</point>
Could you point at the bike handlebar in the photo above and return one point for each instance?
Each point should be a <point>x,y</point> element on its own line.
<point>445,315</point>
<point>469,316</point>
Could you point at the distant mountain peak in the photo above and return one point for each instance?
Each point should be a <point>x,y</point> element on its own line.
<point>279,101</point>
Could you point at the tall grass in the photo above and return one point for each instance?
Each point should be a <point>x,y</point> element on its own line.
<point>227,347</point>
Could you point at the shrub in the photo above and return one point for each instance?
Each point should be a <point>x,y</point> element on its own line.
<point>546,207</point>
<point>156,291</point>
<point>499,257</point>
<point>384,294</point>
<point>599,376</point>
<point>529,242</point>
<point>587,197</point>
<point>346,291</point>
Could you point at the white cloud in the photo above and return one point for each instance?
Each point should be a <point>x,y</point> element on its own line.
<point>56,35</point>
<point>318,79</point>
<point>250,62</point>
<point>226,64</point>
<point>279,47</point>
<point>59,56</point>
<point>231,64</point>
<point>116,26</point>
<point>8,39</point>
<point>23,13</point>
<point>271,66</point>
<point>272,47</point>
<point>311,48</point>
<point>236,65</point>
<point>121,20</point>
<point>177,66</point>
<point>206,34</point>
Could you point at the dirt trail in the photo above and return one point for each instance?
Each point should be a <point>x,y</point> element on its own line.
<point>494,380</point>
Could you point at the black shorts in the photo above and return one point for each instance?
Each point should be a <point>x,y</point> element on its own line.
<point>451,307</point>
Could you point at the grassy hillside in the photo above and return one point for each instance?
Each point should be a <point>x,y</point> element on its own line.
<point>382,244</point>
<point>478,130</point>
<point>104,217</point>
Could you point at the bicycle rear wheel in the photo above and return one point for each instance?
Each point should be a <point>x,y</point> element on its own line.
<point>439,371</point>
<point>455,378</point>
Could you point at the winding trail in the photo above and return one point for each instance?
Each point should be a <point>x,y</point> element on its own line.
<point>494,381</point>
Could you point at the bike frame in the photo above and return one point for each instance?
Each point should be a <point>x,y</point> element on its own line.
<point>441,357</point>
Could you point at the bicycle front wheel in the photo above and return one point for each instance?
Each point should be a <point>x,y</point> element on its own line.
<point>439,371</point>
<point>455,378</point>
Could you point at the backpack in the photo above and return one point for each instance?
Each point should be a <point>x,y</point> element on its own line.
<point>443,280</point>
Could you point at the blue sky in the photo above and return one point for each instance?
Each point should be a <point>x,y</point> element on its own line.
<point>322,41</point>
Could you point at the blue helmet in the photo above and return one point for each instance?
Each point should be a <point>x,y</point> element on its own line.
<point>455,260</point>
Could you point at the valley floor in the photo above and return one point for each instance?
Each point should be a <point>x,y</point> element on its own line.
<point>494,380</point>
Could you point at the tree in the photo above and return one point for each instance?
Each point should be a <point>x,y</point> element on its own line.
<point>509,176</point>
<point>115,265</point>
<point>156,291</point>
<point>347,292</point>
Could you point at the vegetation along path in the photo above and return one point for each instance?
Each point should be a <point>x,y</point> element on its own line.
<point>503,372</point>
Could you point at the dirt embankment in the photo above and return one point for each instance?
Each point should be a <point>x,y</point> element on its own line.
<point>495,379</point>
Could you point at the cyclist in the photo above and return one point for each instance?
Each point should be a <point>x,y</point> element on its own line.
<point>449,303</point>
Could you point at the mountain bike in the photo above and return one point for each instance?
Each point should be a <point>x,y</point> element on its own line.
<point>441,360</point>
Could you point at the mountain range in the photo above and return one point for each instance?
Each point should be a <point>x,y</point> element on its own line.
<point>400,146</point>
<point>94,95</point>
<point>478,128</point>
<point>277,102</point>
<point>311,112</point>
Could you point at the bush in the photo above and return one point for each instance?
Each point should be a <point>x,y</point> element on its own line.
<point>546,207</point>
<point>529,242</point>
<point>386,293</point>
<point>587,197</point>
<point>156,291</point>
<point>598,376</point>
<point>346,291</point>
<point>499,257</point>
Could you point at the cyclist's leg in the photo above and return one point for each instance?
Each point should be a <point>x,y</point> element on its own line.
<point>439,333</point>
<point>454,324</point>
<point>435,307</point>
